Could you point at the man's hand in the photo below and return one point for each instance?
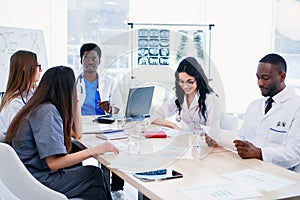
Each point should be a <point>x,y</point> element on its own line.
<point>104,105</point>
<point>247,150</point>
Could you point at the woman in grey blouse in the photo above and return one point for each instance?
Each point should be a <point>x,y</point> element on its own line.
<point>41,135</point>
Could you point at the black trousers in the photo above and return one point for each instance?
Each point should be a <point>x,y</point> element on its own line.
<point>116,182</point>
<point>86,182</point>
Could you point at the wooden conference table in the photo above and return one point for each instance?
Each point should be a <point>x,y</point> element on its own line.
<point>208,176</point>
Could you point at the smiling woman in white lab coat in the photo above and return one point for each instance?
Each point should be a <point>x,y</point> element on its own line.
<point>195,103</point>
<point>272,135</point>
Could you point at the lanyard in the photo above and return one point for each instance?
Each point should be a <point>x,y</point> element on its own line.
<point>23,99</point>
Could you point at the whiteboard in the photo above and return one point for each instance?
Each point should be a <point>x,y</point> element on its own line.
<point>13,39</point>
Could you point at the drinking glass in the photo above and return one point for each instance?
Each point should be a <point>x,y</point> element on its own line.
<point>120,121</point>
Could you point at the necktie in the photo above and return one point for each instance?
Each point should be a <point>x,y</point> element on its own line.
<point>268,104</point>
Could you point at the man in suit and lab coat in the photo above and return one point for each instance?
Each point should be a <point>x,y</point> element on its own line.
<point>271,128</point>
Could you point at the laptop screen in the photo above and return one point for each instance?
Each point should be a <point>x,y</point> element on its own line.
<point>139,102</point>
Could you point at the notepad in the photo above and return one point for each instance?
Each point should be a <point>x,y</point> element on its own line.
<point>95,128</point>
<point>112,135</point>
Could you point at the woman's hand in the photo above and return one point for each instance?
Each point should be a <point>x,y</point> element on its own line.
<point>164,122</point>
<point>103,148</point>
<point>56,162</point>
<point>172,125</point>
<point>209,141</point>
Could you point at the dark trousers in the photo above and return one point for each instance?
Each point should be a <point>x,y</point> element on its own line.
<point>116,182</point>
<point>86,182</point>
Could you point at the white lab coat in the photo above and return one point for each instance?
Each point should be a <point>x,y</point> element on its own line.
<point>278,132</point>
<point>10,110</point>
<point>190,115</point>
<point>107,91</point>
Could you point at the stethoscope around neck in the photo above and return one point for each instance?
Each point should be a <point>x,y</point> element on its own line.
<point>178,117</point>
<point>79,79</point>
<point>178,111</point>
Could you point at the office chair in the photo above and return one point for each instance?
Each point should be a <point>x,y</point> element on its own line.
<point>16,182</point>
<point>5,193</point>
<point>2,137</point>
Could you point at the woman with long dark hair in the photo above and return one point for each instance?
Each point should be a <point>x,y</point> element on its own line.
<point>195,102</point>
<point>41,135</point>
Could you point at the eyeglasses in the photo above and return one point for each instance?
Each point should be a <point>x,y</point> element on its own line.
<point>86,59</point>
<point>39,66</point>
<point>188,82</point>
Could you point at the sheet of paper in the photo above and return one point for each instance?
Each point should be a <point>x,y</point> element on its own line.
<point>225,191</point>
<point>169,131</point>
<point>135,162</point>
<point>120,145</point>
<point>139,162</point>
<point>258,179</point>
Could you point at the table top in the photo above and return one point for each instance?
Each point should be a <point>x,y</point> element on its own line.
<point>215,167</point>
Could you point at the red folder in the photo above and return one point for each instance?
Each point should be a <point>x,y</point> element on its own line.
<point>155,134</point>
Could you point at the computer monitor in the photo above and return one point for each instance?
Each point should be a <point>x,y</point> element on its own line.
<point>139,102</point>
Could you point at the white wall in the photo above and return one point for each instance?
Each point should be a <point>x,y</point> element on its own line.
<point>241,37</point>
<point>47,15</point>
<point>165,11</point>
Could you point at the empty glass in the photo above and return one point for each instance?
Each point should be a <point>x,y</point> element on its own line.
<point>121,122</point>
<point>133,144</point>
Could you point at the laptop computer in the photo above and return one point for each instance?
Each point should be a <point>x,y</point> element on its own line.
<point>139,102</point>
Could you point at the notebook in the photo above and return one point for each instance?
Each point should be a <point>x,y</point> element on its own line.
<point>139,102</point>
<point>112,135</point>
<point>95,128</point>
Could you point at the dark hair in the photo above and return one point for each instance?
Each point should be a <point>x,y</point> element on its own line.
<point>275,59</point>
<point>22,71</point>
<point>191,66</point>
<point>57,88</point>
<point>90,47</point>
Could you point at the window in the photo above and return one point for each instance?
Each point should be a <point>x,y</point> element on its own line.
<point>95,21</point>
<point>287,38</point>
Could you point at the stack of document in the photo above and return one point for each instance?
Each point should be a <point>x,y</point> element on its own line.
<point>107,132</point>
<point>112,135</point>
